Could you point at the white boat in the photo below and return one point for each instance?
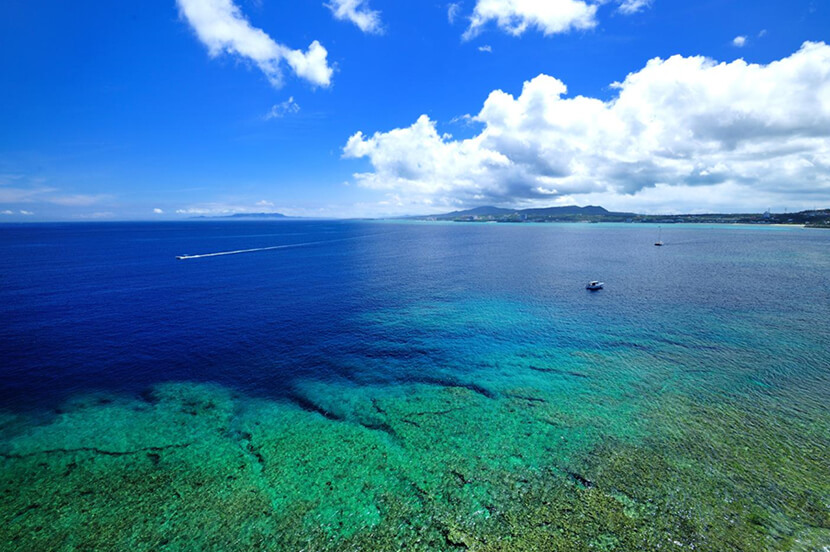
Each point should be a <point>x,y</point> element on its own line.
<point>594,285</point>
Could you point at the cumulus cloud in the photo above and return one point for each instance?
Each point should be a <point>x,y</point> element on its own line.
<point>683,126</point>
<point>220,25</point>
<point>359,13</point>
<point>7,212</point>
<point>282,109</point>
<point>548,16</point>
<point>26,213</point>
<point>739,41</point>
<point>486,48</point>
<point>158,211</point>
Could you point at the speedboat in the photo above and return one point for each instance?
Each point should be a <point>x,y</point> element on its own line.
<point>594,285</point>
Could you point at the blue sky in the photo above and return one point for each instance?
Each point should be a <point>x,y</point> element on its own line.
<point>114,110</point>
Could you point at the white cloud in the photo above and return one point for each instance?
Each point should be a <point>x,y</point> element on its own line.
<point>633,6</point>
<point>222,209</point>
<point>7,212</point>
<point>282,109</point>
<point>221,27</point>
<point>22,195</point>
<point>762,33</point>
<point>26,213</point>
<point>359,13</point>
<point>548,16</point>
<point>739,41</point>
<point>212,210</point>
<point>98,215</point>
<point>728,134</point>
<point>486,48</point>
<point>453,11</point>
<point>35,192</point>
<point>158,211</point>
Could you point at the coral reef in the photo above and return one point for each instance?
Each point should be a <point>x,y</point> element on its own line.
<point>421,467</point>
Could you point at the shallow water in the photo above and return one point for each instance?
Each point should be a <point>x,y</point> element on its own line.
<point>428,386</point>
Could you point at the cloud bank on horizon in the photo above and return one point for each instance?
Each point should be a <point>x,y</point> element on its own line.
<point>680,130</point>
<point>220,25</point>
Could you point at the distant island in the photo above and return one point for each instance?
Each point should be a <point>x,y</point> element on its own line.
<point>592,213</point>
<point>248,216</point>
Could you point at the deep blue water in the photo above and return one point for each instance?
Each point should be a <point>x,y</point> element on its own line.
<point>107,305</point>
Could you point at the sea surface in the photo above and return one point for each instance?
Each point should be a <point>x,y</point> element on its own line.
<point>418,386</point>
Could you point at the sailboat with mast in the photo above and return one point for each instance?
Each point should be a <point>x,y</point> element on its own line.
<point>659,242</point>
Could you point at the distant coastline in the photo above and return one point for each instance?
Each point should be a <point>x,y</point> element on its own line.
<point>819,218</point>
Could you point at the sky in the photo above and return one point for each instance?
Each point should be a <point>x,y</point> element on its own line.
<point>366,108</point>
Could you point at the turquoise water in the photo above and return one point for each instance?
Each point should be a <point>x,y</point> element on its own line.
<point>417,386</point>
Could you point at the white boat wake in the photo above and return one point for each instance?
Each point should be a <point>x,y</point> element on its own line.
<point>240,251</point>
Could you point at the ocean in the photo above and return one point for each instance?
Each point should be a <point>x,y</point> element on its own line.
<point>387,385</point>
